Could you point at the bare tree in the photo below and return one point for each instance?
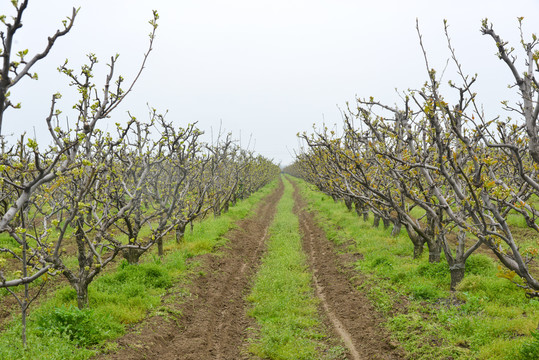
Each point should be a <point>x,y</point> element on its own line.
<point>66,166</point>
<point>16,66</point>
<point>448,160</point>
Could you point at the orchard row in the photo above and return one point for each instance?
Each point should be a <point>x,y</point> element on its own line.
<point>71,207</point>
<point>436,166</point>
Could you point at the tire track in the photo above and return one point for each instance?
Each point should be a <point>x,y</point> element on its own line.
<point>319,289</point>
<point>347,310</point>
<point>223,334</point>
<point>213,322</point>
<point>218,328</point>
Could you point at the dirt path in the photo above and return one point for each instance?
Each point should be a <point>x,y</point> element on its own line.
<point>350,312</point>
<point>213,323</point>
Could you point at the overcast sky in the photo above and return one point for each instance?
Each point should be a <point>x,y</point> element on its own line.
<point>266,69</point>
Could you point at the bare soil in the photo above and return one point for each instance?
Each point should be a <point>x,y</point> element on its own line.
<point>208,321</point>
<point>349,312</point>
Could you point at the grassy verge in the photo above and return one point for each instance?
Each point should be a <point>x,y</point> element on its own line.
<point>487,318</point>
<point>58,330</point>
<point>283,301</point>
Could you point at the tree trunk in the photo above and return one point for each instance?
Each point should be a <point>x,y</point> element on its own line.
<point>132,255</point>
<point>359,208</point>
<point>417,240</point>
<point>85,261</point>
<point>24,302</point>
<point>396,228</point>
<point>180,232</point>
<point>217,208</point>
<point>435,241</point>
<point>418,250</point>
<point>82,294</point>
<point>365,215</point>
<point>24,309</point>
<point>160,250</point>
<point>387,222</point>
<point>435,251</point>
<point>457,265</point>
<point>376,221</point>
<point>348,203</point>
<point>457,274</point>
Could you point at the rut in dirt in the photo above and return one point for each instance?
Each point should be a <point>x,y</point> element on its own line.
<point>213,323</point>
<point>347,311</point>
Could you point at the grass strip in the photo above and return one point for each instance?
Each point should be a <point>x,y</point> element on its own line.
<point>57,329</point>
<point>282,299</point>
<point>487,318</point>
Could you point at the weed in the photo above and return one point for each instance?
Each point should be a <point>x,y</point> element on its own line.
<point>473,304</point>
<point>335,353</point>
<point>381,261</point>
<point>434,271</point>
<point>399,277</point>
<point>424,291</point>
<point>530,349</point>
<point>480,265</point>
<point>84,327</point>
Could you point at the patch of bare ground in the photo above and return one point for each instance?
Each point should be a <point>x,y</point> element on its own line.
<point>348,311</point>
<point>210,321</point>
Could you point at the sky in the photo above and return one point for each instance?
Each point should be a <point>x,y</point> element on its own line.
<point>263,70</point>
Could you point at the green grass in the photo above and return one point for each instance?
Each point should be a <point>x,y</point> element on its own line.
<point>6,241</point>
<point>487,318</point>
<point>121,296</point>
<point>282,299</point>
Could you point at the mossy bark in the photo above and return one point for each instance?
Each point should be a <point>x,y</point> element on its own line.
<point>396,228</point>
<point>457,274</point>
<point>132,255</point>
<point>82,295</point>
<point>387,222</point>
<point>376,221</point>
<point>180,233</point>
